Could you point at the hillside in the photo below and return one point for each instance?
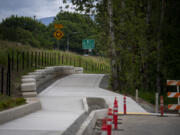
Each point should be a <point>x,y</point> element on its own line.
<point>47,20</point>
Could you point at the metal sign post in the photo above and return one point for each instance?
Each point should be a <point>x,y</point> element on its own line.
<point>178,98</point>
<point>58,34</point>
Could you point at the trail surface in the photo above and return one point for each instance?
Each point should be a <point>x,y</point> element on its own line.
<point>62,105</point>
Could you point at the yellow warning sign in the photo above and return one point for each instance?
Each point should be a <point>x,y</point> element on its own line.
<point>58,26</point>
<point>58,34</point>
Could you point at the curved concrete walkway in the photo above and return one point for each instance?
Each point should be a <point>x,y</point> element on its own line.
<point>62,105</point>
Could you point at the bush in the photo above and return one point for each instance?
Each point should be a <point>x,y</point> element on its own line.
<point>10,102</point>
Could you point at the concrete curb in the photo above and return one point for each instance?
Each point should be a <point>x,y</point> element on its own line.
<point>19,111</point>
<point>88,125</point>
<point>74,127</point>
<point>85,104</point>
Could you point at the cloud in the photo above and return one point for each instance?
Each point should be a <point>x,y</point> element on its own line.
<point>40,8</point>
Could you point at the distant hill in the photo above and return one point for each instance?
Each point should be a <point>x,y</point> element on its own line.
<point>47,20</point>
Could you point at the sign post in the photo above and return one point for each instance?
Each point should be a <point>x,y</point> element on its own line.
<point>58,34</point>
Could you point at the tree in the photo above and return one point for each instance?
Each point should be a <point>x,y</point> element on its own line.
<point>25,30</point>
<point>76,27</point>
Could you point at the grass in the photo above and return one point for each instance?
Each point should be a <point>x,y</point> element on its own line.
<point>10,102</point>
<point>150,97</point>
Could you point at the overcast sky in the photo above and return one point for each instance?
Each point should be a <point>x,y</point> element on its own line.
<point>40,8</point>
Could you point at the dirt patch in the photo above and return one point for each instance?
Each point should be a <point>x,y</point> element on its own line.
<point>96,103</point>
<point>48,83</point>
<point>104,84</point>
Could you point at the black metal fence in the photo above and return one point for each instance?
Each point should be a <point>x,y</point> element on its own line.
<point>18,63</point>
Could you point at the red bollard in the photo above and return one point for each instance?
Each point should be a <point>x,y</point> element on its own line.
<point>162,106</point>
<point>115,113</point>
<point>109,121</point>
<point>109,126</point>
<point>104,121</point>
<point>104,129</point>
<point>124,105</point>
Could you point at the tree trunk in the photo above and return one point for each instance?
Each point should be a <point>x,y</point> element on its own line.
<point>114,80</point>
<point>158,79</point>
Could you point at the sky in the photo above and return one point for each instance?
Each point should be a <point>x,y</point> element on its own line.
<point>39,8</point>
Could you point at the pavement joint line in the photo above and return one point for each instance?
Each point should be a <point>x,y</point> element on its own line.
<point>147,114</point>
<point>117,129</point>
<point>135,113</point>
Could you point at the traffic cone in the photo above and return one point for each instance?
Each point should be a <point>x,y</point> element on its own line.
<point>124,105</point>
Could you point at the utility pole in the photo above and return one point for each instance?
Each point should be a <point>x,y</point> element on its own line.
<point>67,49</point>
<point>34,17</point>
<point>67,42</point>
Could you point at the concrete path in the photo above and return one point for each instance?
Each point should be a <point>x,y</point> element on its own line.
<point>62,105</point>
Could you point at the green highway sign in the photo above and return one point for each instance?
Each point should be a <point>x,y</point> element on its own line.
<point>88,44</point>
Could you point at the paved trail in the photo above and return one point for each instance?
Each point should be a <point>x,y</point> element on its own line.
<point>62,105</point>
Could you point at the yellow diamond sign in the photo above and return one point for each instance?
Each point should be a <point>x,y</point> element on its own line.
<point>58,34</point>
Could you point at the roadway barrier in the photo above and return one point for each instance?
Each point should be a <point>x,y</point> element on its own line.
<point>174,94</point>
<point>35,79</point>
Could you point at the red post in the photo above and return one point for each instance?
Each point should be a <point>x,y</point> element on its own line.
<point>124,105</point>
<point>115,114</point>
<point>162,106</point>
<point>109,122</point>
<point>109,126</point>
<point>104,129</point>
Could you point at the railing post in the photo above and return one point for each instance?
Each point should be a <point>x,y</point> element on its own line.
<point>23,60</point>
<point>17,61</point>
<point>55,62</point>
<point>45,59</point>
<point>8,87</point>
<point>12,61</point>
<point>74,62</point>
<point>42,59</point>
<point>27,55</point>
<point>62,60</point>
<point>58,58</point>
<point>32,59</point>
<point>137,93</point>
<point>39,60</point>
<point>35,59</point>
<point>2,79</point>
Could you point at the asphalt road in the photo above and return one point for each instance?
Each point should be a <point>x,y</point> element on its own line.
<point>148,125</point>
